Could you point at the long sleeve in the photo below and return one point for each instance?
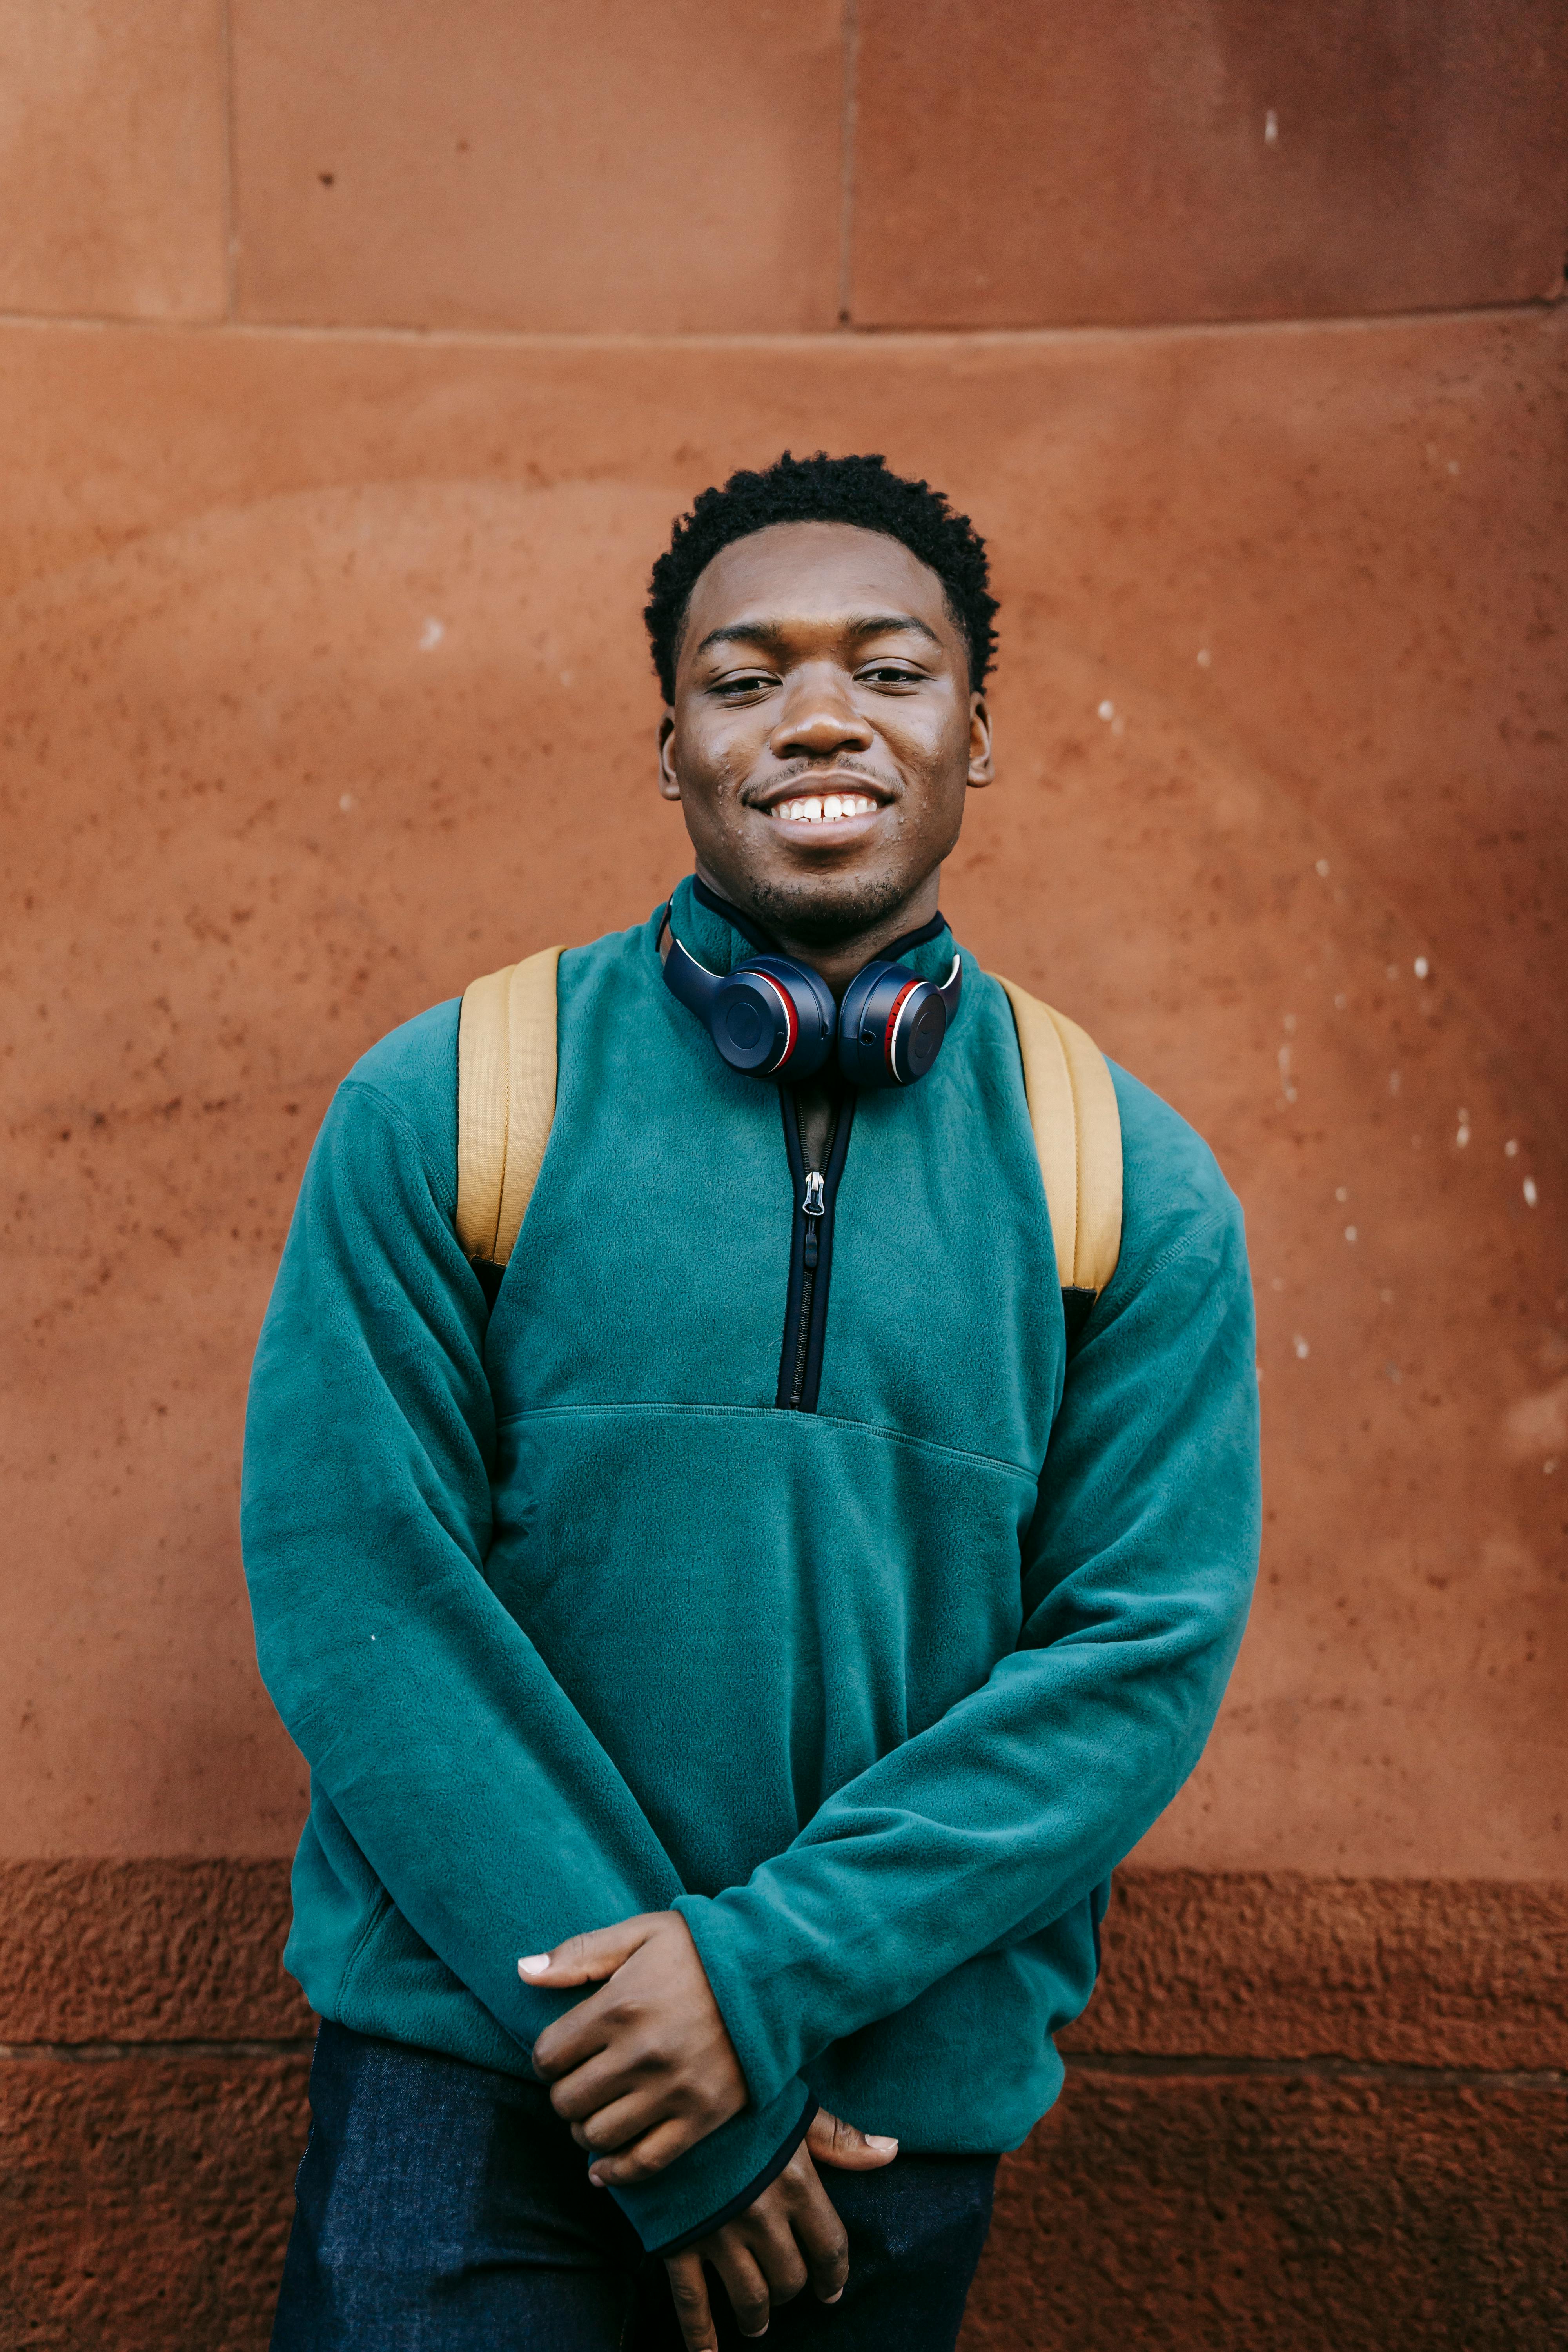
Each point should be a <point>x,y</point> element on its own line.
<point>493,1818</point>
<point>1137,1575</point>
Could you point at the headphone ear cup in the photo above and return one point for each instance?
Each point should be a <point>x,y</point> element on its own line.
<point>769,1017</point>
<point>890,1026</point>
<point>773,1018</point>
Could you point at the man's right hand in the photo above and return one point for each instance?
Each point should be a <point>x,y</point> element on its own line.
<point>789,2238</point>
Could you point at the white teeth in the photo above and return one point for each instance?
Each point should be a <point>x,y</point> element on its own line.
<point>813,809</point>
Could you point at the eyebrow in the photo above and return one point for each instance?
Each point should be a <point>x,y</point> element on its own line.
<point>775,633</point>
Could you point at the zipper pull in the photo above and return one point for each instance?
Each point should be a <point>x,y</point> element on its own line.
<point>814,1206</point>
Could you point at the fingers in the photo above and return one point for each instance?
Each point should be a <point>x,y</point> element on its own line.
<point>822,2241</point>
<point>688,2290</point>
<point>588,1958</point>
<point>752,2295</point>
<point>573,2039</point>
<point>586,2075</point>
<point>790,2237</point>
<point>614,2126</point>
<point>648,2155</point>
<point>846,2145</point>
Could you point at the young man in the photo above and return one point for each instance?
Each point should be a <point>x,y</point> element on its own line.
<point>732,1651</point>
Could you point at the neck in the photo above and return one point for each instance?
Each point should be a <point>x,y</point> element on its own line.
<point>836,960</point>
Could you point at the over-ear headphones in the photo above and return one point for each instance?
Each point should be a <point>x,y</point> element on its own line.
<point>774,1018</point>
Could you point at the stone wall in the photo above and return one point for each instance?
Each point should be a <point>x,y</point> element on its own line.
<point>354,360</point>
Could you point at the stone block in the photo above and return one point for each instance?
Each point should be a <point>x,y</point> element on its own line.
<point>147,1951</point>
<point>113,159</point>
<point>260,809</point>
<point>1232,1967</point>
<point>573,166</point>
<point>144,2202</point>
<point>1214,2213</point>
<point>1451,1973</point>
<point>1045,165</point>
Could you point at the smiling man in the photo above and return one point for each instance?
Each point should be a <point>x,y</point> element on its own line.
<point>734,1645</point>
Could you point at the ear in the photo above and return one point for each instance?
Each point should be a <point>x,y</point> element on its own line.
<point>668,781</point>
<point>980,768</point>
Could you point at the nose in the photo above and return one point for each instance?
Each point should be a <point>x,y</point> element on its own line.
<point>818,717</point>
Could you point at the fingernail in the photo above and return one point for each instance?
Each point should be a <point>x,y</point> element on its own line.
<point>879,2140</point>
<point>534,1966</point>
<point>833,2298</point>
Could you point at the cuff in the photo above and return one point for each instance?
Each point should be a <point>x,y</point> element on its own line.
<point>720,2176</point>
<point>753,2190</point>
<point>747,1986</point>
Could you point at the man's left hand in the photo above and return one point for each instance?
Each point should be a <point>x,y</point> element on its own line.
<point>646,2068</point>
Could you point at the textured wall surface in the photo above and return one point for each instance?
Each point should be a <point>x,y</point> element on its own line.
<point>1298,2104</point>
<point>353,702</point>
<point>351,372</point>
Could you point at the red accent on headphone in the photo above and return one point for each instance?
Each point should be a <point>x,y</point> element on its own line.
<point>899,1003</point>
<point>790,1018</point>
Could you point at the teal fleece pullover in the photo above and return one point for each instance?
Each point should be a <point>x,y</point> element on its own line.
<point>571,1618</point>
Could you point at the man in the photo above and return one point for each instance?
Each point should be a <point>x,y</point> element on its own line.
<point>732,1661</point>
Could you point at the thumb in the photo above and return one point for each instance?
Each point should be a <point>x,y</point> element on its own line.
<point>587,1959</point>
<point>847,2145</point>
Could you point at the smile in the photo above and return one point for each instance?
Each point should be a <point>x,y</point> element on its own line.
<point>825,808</point>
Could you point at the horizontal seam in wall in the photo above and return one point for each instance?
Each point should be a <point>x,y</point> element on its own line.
<point>823,339</point>
<point>90,2053</point>
<point>1138,2066</point>
<point>1128,2066</point>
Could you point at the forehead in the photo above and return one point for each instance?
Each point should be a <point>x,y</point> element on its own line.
<point>814,572</point>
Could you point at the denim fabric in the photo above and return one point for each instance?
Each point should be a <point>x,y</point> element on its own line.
<point>442,2208</point>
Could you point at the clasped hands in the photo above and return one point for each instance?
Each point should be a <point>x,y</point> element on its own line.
<point>642,2071</point>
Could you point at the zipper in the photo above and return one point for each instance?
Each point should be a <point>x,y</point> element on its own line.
<point>811,1256</point>
<point>812,1207</point>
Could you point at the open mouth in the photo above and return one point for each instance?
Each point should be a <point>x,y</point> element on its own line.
<point>823,808</point>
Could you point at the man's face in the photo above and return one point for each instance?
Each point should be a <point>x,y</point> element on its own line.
<point>823,734</point>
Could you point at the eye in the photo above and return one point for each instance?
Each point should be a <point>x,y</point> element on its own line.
<point>743,682</point>
<point>891,673</point>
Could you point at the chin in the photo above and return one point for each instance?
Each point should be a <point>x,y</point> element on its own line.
<point>819,908</point>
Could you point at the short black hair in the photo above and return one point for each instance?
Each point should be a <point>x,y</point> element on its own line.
<point>859,490</point>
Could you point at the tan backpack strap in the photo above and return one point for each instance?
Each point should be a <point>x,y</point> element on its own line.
<point>1077,1134</point>
<point>506,1100</point>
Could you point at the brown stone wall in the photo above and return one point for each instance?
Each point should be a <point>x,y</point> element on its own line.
<point>352,362</point>
<point>1301,2109</point>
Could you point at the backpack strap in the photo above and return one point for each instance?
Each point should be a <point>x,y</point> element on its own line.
<point>1077,1134</point>
<point>506,1101</point>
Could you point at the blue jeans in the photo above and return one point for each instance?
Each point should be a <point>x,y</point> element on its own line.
<point>442,2208</point>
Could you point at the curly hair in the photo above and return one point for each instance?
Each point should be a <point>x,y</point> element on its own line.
<point>859,490</point>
